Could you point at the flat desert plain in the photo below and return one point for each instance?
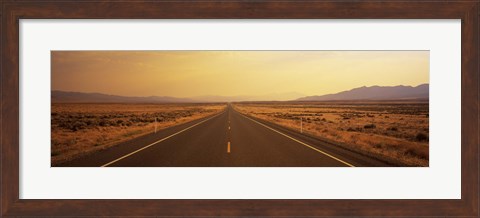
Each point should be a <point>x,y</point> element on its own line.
<point>394,131</point>
<point>81,128</point>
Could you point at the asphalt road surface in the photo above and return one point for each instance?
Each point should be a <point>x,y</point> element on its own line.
<point>227,139</point>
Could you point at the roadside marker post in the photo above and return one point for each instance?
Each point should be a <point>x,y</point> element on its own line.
<point>155,124</point>
<point>301,125</point>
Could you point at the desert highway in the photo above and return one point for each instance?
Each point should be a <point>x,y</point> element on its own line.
<point>227,139</point>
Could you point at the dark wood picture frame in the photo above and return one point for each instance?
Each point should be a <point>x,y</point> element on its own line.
<point>12,11</point>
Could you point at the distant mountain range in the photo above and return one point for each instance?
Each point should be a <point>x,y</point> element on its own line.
<point>80,97</point>
<point>375,93</point>
<point>362,93</point>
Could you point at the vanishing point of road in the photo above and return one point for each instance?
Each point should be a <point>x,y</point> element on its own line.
<point>227,139</point>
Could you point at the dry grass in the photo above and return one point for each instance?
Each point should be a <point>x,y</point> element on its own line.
<point>79,129</point>
<point>389,130</point>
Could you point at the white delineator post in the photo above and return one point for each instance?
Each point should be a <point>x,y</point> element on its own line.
<point>155,124</point>
<point>301,125</point>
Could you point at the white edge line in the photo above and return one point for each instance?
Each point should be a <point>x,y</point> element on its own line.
<point>163,139</point>
<point>294,139</point>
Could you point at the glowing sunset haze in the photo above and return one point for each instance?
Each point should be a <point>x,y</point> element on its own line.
<point>185,74</point>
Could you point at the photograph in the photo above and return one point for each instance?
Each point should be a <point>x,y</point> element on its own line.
<point>240,108</point>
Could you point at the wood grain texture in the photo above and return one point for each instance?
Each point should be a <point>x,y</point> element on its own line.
<point>12,11</point>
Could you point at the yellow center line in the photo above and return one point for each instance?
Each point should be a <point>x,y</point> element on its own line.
<point>228,147</point>
<point>143,148</point>
<point>305,144</point>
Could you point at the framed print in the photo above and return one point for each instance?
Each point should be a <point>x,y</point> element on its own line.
<point>266,108</point>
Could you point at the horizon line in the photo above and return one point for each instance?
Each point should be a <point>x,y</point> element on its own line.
<point>239,95</point>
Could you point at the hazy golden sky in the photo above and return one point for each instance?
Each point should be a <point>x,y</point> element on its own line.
<point>228,73</point>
